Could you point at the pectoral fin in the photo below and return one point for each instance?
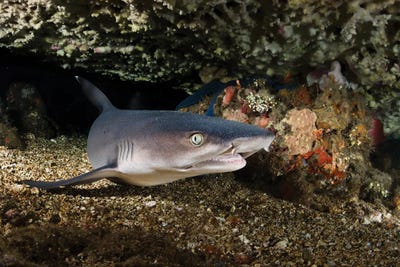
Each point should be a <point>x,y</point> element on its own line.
<point>90,177</point>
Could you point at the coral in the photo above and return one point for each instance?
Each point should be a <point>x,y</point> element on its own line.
<point>252,103</point>
<point>262,121</point>
<point>325,78</point>
<point>322,130</point>
<point>334,132</point>
<point>228,96</point>
<point>261,102</point>
<point>302,125</point>
<point>396,202</point>
<point>325,132</point>
<point>302,97</point>
<point>321,162</point>
<point>359,135</point>
<point>333,109</point>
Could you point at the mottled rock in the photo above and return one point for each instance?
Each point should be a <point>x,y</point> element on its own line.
<point>165,39</point>
<point>177,40</point>
<point>28,111</point>
<point>9,135</point>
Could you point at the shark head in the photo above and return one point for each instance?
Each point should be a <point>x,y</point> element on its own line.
<point>196,144</point>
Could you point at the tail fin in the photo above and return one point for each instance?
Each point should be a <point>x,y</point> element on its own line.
<point>86,178</point>
<point>95,95</point>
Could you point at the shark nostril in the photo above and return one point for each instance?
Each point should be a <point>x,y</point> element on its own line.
<point>230,150</point>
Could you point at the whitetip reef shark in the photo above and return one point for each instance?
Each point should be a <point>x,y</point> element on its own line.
<point>146,148</point>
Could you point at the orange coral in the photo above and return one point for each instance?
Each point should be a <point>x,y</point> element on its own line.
<point>396,201</point>
<point>308,154</point>
<point>361,130</point>
<point>359,135</point>
<point>302,95</point>
<point>319,161</point>
<point>323,156</point>
<point>318,133</point>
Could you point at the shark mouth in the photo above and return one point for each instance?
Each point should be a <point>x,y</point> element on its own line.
<point>228,160</point>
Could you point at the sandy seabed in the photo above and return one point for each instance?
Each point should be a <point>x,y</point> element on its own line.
<point>216,220</point>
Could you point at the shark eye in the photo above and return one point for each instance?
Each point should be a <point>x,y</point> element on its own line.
<point>197,139</point>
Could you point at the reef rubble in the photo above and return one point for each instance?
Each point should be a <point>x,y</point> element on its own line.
<point>325,135</point>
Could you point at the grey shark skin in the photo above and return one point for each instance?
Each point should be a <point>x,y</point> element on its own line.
<point>145,148</point>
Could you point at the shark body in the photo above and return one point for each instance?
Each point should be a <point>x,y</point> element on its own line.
<point>146,148</point>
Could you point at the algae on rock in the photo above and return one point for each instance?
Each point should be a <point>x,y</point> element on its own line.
<point>162,40</point>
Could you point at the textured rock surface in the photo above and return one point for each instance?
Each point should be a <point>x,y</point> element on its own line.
<point>165,39</point>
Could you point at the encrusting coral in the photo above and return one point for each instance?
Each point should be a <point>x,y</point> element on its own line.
<point>302,127</point>
<point>253,104</point>
<point>323,130</point>
<point>340,136</point>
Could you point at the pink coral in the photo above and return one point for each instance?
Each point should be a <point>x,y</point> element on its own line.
<point>229,94</point>
<point>301,138</point>
<point>325,77</point>
<point>376,132</point>
<point>262,121</point>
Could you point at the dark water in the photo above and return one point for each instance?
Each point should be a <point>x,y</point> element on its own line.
<point>65,103</point>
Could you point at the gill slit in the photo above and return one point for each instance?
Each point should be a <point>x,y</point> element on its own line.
<point>125,150</point>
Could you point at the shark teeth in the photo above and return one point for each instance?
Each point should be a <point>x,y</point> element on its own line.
<point>228,158</point>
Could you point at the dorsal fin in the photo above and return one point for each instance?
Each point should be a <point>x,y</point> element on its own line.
<point>95,95</point>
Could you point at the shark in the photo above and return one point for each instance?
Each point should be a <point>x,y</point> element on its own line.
<point>153,147</point>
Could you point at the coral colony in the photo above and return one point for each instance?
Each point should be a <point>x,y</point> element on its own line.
<point>322,128</point>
